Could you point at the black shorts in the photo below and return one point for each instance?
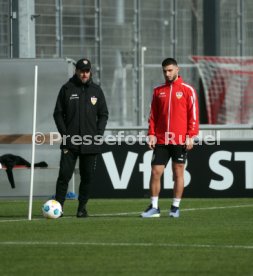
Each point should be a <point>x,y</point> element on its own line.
<point>163,153</point>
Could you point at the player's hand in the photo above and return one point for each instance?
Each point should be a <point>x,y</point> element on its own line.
<point>151,141</point>
<point>189,143</point>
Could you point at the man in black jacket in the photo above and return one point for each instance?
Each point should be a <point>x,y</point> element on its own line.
<point>80,115</point>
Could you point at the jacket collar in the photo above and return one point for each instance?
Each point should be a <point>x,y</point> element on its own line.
<point>176,82</point>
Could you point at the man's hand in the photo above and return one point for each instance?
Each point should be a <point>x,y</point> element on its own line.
<point>151,141</point>
<point>189,143</point>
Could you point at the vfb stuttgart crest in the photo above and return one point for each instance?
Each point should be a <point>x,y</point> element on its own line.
<point>93,100</point>
<point>179,95</point>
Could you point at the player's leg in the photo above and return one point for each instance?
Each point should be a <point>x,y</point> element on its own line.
<point>67,166</point>
<point>178,173</point>
<point>159,160</point>
<point>155,183</point>
<point>87,167</point>
<point>178,157</point>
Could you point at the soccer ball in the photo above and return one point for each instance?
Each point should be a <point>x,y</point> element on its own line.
<point>52,209</point>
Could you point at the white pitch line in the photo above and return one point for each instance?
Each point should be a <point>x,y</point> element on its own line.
<point>181,210</point>
<point>217,207</point>
<point>15,220</point>
<point>125,244</point>
<point>136,213</point>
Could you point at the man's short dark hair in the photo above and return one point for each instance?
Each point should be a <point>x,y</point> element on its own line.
<point>169,61</point>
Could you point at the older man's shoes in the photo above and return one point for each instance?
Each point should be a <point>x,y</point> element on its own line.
<point>82,213</point>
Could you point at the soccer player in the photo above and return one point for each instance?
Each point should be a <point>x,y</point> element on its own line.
<point>173,123</point>
<point>80,115</point>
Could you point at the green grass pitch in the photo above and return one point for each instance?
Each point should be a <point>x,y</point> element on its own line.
<point>211,237</point>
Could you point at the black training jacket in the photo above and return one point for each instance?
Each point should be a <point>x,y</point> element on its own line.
<point>81,115</point>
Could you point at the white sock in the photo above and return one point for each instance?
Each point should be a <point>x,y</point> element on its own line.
<point>176,202</point>
<point>154,201</point>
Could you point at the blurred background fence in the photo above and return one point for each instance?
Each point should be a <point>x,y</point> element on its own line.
<point>126,40</point>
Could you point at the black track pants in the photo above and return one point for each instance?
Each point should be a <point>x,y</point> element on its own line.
<point>87,167</point>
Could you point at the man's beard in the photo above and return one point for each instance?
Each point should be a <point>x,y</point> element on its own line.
<point>174,77</point>
<point>85,81</point>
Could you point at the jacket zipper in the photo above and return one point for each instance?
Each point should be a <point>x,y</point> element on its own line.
<point>168,129</point>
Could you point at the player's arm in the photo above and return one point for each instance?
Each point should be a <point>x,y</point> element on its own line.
<point>152,122</point>
<point>59,113</point>
<point>193,119</point>
<point>102,115</point>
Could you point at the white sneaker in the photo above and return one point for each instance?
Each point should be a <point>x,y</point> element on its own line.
<point>174,212</point>
<point>151,212</point>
